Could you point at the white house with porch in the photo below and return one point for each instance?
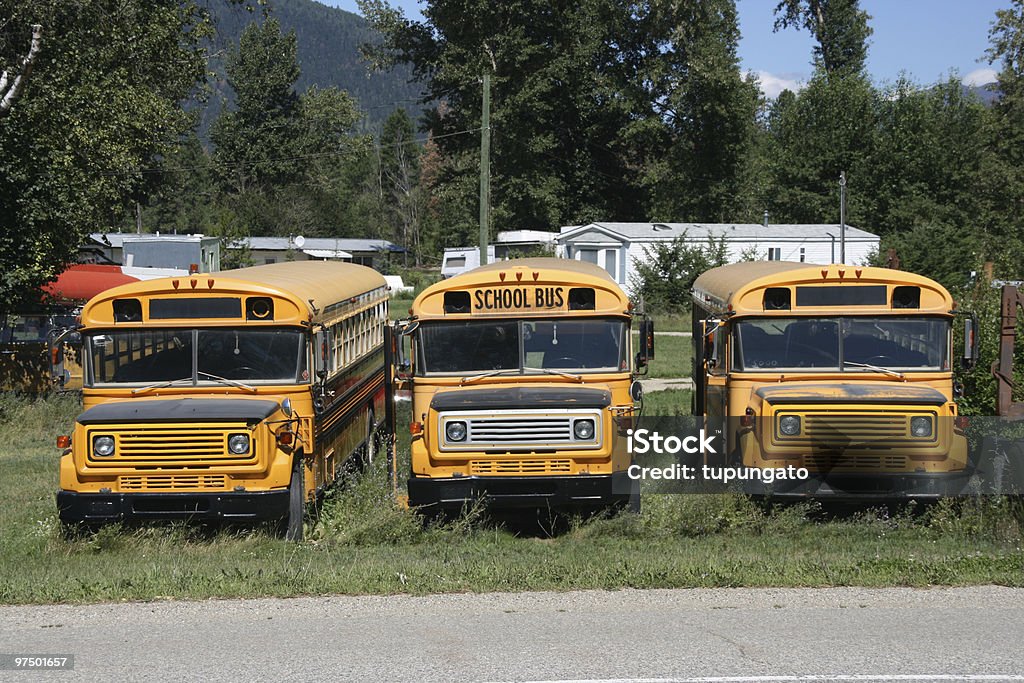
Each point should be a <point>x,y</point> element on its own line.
<point>614,246</point>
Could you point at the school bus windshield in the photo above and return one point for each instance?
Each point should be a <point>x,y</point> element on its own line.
<point>523,346</point>
<point>197,356</point>
<point>849,344</point>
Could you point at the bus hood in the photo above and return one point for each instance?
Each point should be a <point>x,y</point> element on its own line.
<point>522,397</point>
<point>180,410</point>
<point>851,393</point>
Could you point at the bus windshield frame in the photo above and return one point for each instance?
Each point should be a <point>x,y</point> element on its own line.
<point>205,356</point>
<point>518,347</point>
<point>849,344</point>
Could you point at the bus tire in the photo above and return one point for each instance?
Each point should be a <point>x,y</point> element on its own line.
<point>634,497</point>
<point>292,524</point>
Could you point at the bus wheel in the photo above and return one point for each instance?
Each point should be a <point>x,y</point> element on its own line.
<point>634,498</point>
<point>292,524</point>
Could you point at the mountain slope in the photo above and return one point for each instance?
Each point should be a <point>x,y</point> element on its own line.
<point>328,48</point>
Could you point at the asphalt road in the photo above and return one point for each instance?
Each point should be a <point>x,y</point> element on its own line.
<point>679,635</point>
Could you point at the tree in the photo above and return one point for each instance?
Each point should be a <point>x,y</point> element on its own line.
<point>944,252</point>
<point>556,112</point>
<point>400,170</point>
<point>928,160</point>
<point>665,276</point>
<point>284,159</point>
<point>256,142</point>
<point>1007,133</point>
<point>12,80</point>
<point>73,148</point>
<point>814,136</point>
<point>839,27</point>
<point>698,118</point>
<point>827,129</point>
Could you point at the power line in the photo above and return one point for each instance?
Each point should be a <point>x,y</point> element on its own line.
<point>242,164</point>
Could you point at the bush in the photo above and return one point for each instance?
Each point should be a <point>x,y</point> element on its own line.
<point>665,276</point>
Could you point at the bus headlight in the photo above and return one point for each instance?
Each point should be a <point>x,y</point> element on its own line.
<point>789,425</point>
<point>455,431</point>
<point>103,446</point>
<point>921,426</point>
<point>583,429</point>
<point>238,443</point>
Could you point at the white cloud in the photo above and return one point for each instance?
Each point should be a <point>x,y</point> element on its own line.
<point>979,77</point>
<point>772,85</point>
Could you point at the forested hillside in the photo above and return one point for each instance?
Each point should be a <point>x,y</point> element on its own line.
<point>328,55</point>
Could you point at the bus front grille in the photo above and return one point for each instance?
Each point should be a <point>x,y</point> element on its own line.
<point>506,431</point>
<point>879,427</point>
<point>825,462</point>
<point>521,431</point>
<point>171,482</point>
<point>519,467</point>
<point>162,444</point>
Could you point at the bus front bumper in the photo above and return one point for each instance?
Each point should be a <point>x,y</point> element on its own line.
<point>579,491</point>
<point>113,507</point>
<point>864,488</point>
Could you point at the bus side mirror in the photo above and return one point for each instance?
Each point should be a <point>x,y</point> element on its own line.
<point>322,353</point>
<point>709,328</point>
<point>403,364</point>
<point>970,357</point>
<point>646,353</point>
<point>55,349</point>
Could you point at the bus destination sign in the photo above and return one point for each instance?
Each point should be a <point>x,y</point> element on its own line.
<point>518,299</point>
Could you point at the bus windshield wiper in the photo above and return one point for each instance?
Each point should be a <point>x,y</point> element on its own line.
<point>876,368</point>
<point>489,373</point>
<point>560,373</point>
<point>161,385</point>
<point>229,382</point>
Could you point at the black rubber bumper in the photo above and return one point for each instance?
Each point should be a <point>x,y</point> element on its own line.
<point>860,488</point>
<point>113,507</point>
<point>581,491</point>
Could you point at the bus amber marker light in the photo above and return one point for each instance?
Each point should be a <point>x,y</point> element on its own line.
<point>747,419</point>
<point>63,441</point>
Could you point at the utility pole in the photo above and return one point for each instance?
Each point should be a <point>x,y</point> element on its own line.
<point>842,217</point>
<point>485,170</point>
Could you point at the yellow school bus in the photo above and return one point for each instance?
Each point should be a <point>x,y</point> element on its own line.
<point>844,371</point>
<point>236,395</point>
<point>520,374</point>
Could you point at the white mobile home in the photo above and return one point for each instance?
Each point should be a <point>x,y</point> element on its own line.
<point>614,246</point>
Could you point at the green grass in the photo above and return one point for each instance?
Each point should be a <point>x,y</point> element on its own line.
<point>398,307</point>
<point>672,322</point>
<point>362,543</point>
<point>673,356</point>
<point>672,402</point>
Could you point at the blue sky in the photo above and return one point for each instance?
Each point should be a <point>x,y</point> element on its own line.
<point>925,38</point>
